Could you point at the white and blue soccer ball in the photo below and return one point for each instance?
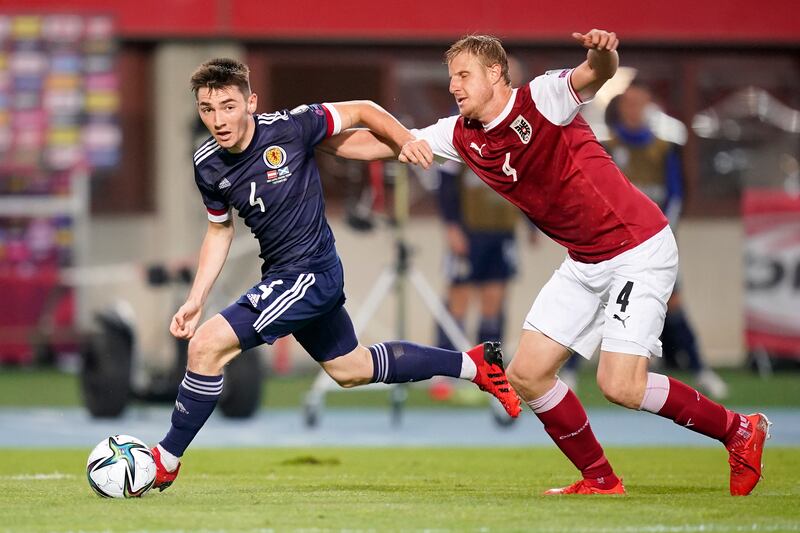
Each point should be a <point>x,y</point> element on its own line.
<point>121,466</point>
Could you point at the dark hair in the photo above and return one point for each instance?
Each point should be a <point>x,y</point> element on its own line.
<point>221,72</point>
<point>611,116</point>
<point>486,48</point>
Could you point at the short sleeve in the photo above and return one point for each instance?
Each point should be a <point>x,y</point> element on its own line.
<point>216,206</point>
<point>554,96</point>
<point>440,138</point>
<point>315,122</point>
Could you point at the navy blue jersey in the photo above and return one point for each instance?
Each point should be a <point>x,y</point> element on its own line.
<point>275,187</point>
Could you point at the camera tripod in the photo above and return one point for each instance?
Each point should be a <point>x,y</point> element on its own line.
<point>396,277</point>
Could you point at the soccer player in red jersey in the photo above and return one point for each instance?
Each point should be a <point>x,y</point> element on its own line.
<point>532,147</point>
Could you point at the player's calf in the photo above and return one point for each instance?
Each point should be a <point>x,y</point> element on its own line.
<point>350,370</point>
<point>403,362</point>
<point>197,398</point>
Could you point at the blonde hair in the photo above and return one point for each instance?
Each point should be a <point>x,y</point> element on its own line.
<point>489,50</point>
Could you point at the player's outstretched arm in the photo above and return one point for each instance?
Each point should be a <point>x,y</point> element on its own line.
<point>359,143</point>
<point>386,128</point>
<point>213,254</point>
<point>365,145</point>
<point>601,62</point>
<point>378,120</point>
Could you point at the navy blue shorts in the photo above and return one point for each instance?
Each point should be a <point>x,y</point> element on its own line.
<point>491,257</point>
<point>307,305</point>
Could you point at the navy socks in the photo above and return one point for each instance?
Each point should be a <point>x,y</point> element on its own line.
<point>197,397</point>
<point>402,362</point>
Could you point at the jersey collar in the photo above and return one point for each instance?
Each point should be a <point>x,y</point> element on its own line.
<point>504,113</point>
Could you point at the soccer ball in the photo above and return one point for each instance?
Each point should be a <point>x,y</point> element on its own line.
<point>121,466</point>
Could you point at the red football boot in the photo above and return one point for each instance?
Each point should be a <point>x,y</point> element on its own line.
<point>164,478</point>
<point>745,454</point>
<point>491,377</point>
<point>582,487</point>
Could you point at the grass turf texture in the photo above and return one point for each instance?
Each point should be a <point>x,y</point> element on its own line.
<point>443,489</point>
<point>58,389</point>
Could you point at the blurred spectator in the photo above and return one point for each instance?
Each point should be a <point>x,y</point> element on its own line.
<point>654,165</point>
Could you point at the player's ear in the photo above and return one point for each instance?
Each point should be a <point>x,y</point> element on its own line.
<point>252,103</point>
<point>495,73</point>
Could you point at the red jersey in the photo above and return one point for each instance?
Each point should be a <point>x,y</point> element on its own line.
<point>545,160</point>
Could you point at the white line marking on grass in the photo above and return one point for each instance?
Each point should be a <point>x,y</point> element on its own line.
<point>38,477</point>
<point>691,528</point>
<point>657,528</point>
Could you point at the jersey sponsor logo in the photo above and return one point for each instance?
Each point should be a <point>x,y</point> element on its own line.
<point>224,184</point>
<point>254,299</point>
<point>522,128</point>
<point>477,148</point>
<point>299,109</point>
<point>274,156</point>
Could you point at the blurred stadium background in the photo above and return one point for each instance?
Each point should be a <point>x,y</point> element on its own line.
<point>99,215</point>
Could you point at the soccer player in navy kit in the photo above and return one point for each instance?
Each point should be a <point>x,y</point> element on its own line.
<point>263,167</point>
<point>530,145</point>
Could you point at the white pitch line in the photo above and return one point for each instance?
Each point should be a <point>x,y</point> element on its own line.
<point>651,528</point>
<point>691,528</point>
<point>38,477</point>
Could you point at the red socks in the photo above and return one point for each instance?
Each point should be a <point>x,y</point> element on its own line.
<point>685,406</point>
<point>566,422</point>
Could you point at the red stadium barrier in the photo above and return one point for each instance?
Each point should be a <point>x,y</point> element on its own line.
<point>678,21</point>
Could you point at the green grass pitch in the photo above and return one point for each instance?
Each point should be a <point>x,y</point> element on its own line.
<point>403,489</point>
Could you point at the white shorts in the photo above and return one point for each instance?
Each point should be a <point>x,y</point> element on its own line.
<point>620,302</point>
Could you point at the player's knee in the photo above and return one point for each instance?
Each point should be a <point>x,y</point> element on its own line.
<point>619,391</point>
<point>203,358</point>
<point>528,380</point>
<point>515,377</point>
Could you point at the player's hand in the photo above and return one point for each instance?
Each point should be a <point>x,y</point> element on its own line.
<point>597,40</point>
<point>457,240</point>
<point>417,152</point>
<point>184,322</point>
